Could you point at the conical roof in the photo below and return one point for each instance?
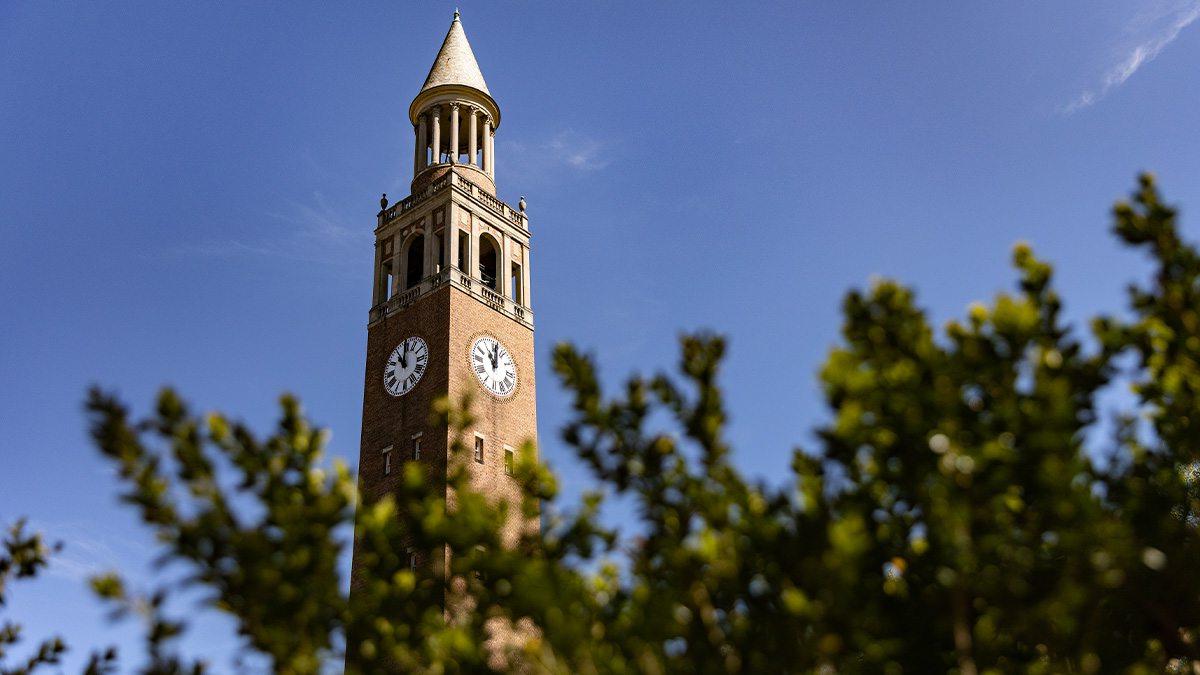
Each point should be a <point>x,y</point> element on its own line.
<point>455,62</point>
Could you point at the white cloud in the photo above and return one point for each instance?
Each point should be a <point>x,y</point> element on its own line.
<point>1151,32</point>
<point>313,232</point>
<point>566,150</point>
<point>84,553</point>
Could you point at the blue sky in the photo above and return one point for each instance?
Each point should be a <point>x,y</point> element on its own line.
<point>187,193</point>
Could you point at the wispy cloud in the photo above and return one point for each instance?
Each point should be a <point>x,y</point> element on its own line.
<point>577,152</point>
<point>312,232</point>
<point>565,150</point>
<point>84,552</point>
<point>1151,32</point>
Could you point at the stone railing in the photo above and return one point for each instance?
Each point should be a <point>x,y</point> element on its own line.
<point>405,205</point>
<point>492,298</point>
<point>464,282</point>
<point>476,193</point>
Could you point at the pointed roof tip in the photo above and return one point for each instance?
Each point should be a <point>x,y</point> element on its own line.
<point>455,62</point>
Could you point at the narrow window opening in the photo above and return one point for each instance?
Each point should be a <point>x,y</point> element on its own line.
<point>489,258</point>
<point>416,446</point>
<point>387,259</point>
<point>387,460</point>
<point>416,261</point>
<point>412,559</point>
<point>514,283</point>
<point>385,280</point>
<point>479,573</point>
<point>479,449</point>
<point>509,460</point>
<point>464,249</point>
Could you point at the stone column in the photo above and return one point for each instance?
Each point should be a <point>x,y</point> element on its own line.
<point>422,144</point>
<point>525,277</point>
<point>376,291</point>
<point>430,254</point>
<point>504,273</point>
<point>397,264</point>
<point>435,116</point>
<point>453,133</point>
<point>487,148</point>
<point>473,257</point>
<point>450,231</point>
<point>473,144</point>
<point>416,151</point>
<point>492,153</point>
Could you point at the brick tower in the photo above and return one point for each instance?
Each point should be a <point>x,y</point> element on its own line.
<point>450,307</point>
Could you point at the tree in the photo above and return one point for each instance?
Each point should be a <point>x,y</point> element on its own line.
<point>949,519</point>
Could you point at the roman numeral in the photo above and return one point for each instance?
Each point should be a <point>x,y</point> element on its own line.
<point>419,369</point>
<point>479,368</point>
<point>412,379</point>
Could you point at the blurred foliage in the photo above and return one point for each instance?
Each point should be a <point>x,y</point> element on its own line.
<point>949,519</point>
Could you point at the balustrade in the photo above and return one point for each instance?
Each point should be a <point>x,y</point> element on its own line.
<point>488,201</point>
<point>463,281</point>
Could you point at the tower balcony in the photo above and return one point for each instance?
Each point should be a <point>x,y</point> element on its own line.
<point>464,282</point>
<point>461,185</point>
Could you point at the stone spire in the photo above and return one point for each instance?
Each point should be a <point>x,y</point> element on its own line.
<point>455,62</point>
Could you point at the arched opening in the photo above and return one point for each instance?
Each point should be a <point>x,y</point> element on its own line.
<point>489,259</point>
<point>416,261</point>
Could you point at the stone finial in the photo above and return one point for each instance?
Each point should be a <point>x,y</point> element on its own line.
<point>521,204</point>
<point>456,14</point>
<point>383,201</point>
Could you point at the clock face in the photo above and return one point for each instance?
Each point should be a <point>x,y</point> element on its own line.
<point>494,366</point>
<point>405,366</point>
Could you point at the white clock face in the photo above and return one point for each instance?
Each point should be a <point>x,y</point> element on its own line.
<point>494,366</point>
<point>405,366</point>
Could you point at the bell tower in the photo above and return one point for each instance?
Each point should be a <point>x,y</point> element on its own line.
<point>450,309</point>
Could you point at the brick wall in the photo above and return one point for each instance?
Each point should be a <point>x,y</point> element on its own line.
<point>448,320</point>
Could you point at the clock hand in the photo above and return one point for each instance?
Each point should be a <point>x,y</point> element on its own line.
<point>404,356</point>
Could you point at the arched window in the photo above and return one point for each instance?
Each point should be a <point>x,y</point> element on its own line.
<point>489,261</point>
<point>416,261</point>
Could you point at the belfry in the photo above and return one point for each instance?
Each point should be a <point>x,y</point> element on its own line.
<point>450,309</point>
